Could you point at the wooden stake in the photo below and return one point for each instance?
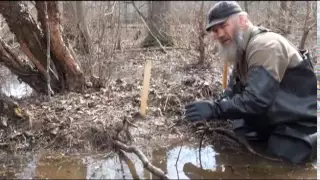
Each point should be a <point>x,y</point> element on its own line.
<point>145,88</point>
<point>224,76</point>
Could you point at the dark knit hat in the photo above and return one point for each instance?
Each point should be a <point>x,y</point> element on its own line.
<point>220,12</point>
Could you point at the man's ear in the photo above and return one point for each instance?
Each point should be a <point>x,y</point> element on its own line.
<point>243,20</point>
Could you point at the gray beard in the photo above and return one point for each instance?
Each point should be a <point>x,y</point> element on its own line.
<point>231,53</point>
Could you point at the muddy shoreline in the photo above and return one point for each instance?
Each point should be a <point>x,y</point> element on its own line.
<point>88,121</point>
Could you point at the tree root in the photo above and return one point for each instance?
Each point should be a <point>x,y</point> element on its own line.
<point>241,140</point>
<point>146,163</point>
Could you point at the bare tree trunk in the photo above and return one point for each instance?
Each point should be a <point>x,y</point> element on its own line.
<point>23,71</point>
<point>246,6</point>
<point>157,23</point>
<point>201,34</point>
<point>118,42</point>
<point>30,38</point>
<point>85,40</point>
<point>64,71</point>
<point>69,19</point>
<point>126,14</point>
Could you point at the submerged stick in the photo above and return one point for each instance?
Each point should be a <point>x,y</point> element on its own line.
<point>130,164</point>
<point>146,163</point>
<point>200,149</point>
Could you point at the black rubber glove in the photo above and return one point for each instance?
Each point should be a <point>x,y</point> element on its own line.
<point>200,110</point>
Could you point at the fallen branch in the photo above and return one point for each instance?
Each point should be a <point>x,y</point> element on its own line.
<point>146,163</point>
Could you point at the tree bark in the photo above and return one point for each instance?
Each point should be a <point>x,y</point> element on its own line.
<point>22,70</point>
<point>29,36</point>
<point>157,23</point>
<point>64,71</point>
<point>63,57</point>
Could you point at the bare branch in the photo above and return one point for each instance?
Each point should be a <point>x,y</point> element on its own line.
<point>146,163</point>
<point>48,50</point>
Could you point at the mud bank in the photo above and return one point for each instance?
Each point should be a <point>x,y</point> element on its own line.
<point>88,121</point>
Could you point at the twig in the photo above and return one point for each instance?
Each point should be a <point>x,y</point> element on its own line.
<point>48,50</point>
<point>200,148</point>
<point>178,155</point>
<point>146,163</point>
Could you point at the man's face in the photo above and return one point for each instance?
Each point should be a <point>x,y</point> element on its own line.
<point>224,32</point>
<point>227,36</point>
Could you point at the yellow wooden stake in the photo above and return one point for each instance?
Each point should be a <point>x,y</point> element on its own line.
<point>224,76</point>
<point>145,88</point>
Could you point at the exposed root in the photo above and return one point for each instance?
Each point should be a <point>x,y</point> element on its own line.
<point>146,163</point>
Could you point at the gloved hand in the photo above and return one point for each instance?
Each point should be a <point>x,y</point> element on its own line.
<point>201,110</point>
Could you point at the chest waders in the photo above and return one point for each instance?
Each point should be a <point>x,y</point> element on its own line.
<point>295,142</point>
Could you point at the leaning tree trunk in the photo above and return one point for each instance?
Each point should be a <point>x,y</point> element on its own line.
<point>65,73</point>
<point>158,25</point>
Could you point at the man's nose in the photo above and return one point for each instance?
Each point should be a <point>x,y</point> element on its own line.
<point>220,33</point>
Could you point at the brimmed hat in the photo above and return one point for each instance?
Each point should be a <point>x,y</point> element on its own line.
<point>220,12</point>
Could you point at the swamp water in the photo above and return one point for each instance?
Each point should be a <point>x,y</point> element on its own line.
<point>213,164</point>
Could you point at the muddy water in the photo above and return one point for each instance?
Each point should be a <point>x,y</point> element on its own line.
<point>212,164</point>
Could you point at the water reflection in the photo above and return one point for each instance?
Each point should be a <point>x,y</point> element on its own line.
<point>12,87</point>
<point>214,165</point>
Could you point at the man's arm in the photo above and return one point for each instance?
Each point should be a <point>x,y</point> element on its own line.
<point>267,62</point>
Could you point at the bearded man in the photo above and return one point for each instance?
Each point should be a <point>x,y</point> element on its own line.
<point>271,95</point>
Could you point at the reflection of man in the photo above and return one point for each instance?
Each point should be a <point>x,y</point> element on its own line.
<point>248,172</point>
<point>272,92</point>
